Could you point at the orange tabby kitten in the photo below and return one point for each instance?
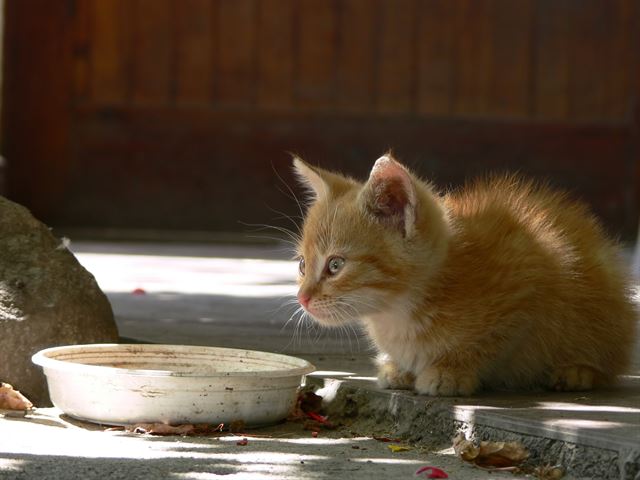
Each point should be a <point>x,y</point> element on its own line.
<point>502,284</point>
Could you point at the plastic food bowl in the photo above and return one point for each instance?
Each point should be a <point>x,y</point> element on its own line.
<point>127,384</point>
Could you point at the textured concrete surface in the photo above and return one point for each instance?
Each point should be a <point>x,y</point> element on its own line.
<point>237,296</point>
<point>50,447</point>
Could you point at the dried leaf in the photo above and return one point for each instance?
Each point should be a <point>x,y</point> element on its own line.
<point>398,448</point>
<point>464,448</point>
<point>490,455</point>
<point>11,399</point>
<point>164,429</point>
<point>548,472</point>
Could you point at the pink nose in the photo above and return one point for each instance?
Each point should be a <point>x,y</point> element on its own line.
<point>304,299</point>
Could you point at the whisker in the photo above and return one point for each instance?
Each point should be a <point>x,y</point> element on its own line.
<point>295,198</point>
<point>293,236</point>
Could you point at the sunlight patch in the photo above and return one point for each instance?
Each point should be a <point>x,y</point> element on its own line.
<point>389,461</point>
<point>159,274</point>
<point>11,465</point>
<point>572,407</point>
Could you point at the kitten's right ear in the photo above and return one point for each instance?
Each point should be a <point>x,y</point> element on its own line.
<point>319,182</point>
<point>309,177</point>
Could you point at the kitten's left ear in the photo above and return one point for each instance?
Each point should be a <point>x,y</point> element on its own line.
<point>390,195</point>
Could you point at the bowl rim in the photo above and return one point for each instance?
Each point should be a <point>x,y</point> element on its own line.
<point>44,360</point>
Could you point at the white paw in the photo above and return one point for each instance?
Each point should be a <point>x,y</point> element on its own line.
<point>390,377</point>
<point>438,382</point>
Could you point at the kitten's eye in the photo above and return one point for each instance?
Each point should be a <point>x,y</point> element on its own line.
<point>334,265</point>
<point>301,266</point>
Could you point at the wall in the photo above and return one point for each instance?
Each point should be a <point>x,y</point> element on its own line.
<point>159,113</point>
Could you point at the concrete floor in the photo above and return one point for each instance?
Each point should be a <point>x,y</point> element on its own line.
<point>239,296</point>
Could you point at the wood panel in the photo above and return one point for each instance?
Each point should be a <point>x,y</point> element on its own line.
<point>109,49</point>
<point>473,57</point>
<point>355,57</point>
<point>592,30</point>
<point>551,60</point>
<point>445,152</point>
<point>151,62</point>
<point>194,54</point>
<point>164,98</point>
<point>315,25</point>
<point>511,43</point>
<point>396,62</point>
<point>622,55</point>
<point>81,87</point>
<point>236,67</point>
<point>436,65</point>
<point>275,54</point>
<point>490,58</point>
<point>38,76</point>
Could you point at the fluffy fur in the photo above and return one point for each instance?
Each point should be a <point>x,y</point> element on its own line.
<point>504,283</point>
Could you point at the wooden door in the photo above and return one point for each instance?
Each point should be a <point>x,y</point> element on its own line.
<point>177,114</point>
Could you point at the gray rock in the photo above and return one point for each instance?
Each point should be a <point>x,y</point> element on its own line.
<point>46,299</point>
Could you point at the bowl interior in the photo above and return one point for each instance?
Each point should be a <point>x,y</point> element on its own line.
<point>173,360</point>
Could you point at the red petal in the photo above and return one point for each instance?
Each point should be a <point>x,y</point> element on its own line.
<point>432,472</point>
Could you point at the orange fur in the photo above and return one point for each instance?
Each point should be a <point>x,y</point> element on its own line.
<point>504,283</point>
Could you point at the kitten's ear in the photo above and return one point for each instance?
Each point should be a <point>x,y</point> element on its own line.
<point>390,195</point>
<point>319,182</point>
<point>309,177</point>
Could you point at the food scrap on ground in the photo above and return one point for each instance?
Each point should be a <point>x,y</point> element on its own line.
<point>398,448</point>
<point>244,442</point>
<point>164,429</point>
<point>432,472</point>
<point>316,417</point>
<point>307,409</point>
<point>491,455</point>
<point>11,399</point>
<point>309,402</point>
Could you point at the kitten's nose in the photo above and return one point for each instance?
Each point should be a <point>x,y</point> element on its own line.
<point>304,299</point>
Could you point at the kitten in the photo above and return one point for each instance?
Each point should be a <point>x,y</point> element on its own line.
<point>503,284</point>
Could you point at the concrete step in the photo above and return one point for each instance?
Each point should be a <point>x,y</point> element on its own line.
<point>591,434</point>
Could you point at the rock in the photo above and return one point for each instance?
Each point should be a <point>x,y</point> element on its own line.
<point>46,299</point>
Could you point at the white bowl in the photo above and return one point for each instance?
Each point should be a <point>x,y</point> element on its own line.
<point>126,384</point>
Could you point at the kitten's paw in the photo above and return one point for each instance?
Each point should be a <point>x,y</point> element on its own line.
<point>573,378</point>
<point>389,376</point>
<point>440,382</point>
